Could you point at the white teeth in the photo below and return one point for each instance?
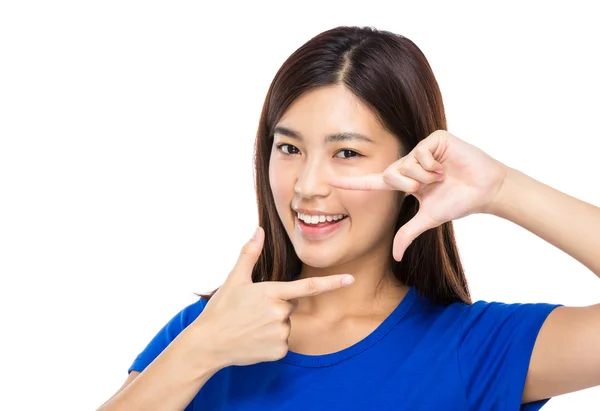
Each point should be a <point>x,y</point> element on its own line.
<point>315,219</point>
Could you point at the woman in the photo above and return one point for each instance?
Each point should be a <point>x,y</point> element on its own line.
<point>357,179</point>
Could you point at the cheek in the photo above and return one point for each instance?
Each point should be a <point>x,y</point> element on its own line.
<point>281,186</point>
<point>371,207</point>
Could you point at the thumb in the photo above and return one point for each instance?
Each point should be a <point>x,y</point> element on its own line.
<point>242,271</point>
<point>409,231</point>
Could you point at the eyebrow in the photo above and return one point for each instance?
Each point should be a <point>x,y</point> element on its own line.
<point>331,138</point>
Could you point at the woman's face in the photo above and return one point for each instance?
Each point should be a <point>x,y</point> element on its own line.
<point>329,226</point>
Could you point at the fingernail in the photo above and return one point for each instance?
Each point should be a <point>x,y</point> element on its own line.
<point>255,235</point>
<point>347,280</point>
<point>439,170</point>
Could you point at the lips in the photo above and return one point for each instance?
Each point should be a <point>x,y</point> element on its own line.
<point>322,223</point>
<point>321,230</point>
<point>315,212</point>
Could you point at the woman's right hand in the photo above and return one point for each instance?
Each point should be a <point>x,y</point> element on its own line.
<point>246,323</point>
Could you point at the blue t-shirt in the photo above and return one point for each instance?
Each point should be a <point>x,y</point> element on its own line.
<point>422,357</point>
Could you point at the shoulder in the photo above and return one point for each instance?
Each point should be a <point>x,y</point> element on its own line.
<point>182,319</point>
<point>483,311</point>
<point>168,333</point>
<point>494,348</point>
<point>193,310</point>
<point>486,326</point>
<point>493,312</point>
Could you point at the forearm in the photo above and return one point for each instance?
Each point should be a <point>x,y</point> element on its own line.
<point>172,380</point>
<point>566,222</point>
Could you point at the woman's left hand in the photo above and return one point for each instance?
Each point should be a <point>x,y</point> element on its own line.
<point>469,183</point>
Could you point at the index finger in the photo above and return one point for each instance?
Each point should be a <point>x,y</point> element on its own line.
<point>364,182</point>
<point>309,286</point>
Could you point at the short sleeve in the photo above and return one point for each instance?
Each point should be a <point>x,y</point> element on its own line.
<point>167,334</point>
<point>494,350</point>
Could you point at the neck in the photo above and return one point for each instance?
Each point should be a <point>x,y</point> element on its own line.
<point>375,290</point>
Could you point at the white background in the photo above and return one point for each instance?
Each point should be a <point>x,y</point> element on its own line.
<point>127,131</point>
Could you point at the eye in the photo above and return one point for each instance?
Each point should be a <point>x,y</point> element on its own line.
<point>348,153</point>
<point>287,148</point>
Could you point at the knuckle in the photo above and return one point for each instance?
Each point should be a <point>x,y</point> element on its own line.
<point>421,151</point>
<point>414,186</point>
<point>281,351</point>
<point>431,179</point>
<point>266,289</point>
<point>311,287</point>
<point>403,168</point>
<point>247,249</point>
<point>280,313</point>
<point>388,176</point>
<point>284,333</point>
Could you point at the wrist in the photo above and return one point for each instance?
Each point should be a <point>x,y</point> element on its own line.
<point>504,193</point>
<point>205,355</point>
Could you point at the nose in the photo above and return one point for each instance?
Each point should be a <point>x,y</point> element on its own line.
<point>312,180</point>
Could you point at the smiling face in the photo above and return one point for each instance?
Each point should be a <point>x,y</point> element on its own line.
<point>313,141</point>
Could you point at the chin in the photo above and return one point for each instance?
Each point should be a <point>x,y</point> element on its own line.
<point>316,261</point>
<point>318,255</point>
<point>315,252</point>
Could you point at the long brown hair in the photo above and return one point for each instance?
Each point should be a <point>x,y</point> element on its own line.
<point>390,75</point>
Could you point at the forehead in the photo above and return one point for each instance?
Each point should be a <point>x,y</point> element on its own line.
<point>331,109</point>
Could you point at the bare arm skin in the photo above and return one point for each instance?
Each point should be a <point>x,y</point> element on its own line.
<point>172,380</point>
